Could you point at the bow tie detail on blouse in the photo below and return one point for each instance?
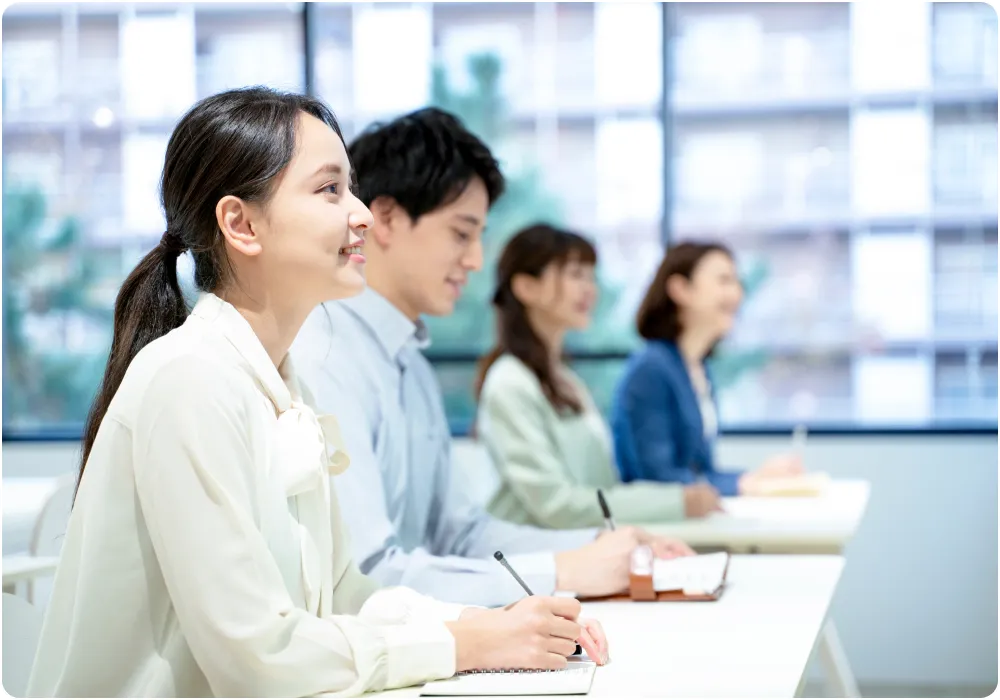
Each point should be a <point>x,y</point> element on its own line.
<point>309,450</point>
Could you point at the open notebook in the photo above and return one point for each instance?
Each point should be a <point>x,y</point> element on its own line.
<point>700,575</point>
<point>575,679</point>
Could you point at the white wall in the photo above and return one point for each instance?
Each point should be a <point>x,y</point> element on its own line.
<point>918,600</point>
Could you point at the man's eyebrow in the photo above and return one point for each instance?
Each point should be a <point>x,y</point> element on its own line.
<point>469,219</point>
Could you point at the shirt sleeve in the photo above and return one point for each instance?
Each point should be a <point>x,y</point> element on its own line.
<point>465,529</point>
<point>449,568</point>
<point>455,562</point>
<point>197,483</point>
<point>387,606</point>
<point>530,465</point>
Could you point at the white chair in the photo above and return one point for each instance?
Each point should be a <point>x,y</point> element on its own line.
<point>22,625</point>
<point>47,535</point>
<point>23,500</point>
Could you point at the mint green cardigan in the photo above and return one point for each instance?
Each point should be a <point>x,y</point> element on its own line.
<point>550,466</point>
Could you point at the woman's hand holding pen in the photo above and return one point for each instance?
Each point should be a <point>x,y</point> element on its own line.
<point>537,632</point>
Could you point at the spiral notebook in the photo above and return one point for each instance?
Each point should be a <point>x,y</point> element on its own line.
<point>575,679</point>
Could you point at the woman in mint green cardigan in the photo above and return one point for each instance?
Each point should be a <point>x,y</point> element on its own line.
<point>547,440</point>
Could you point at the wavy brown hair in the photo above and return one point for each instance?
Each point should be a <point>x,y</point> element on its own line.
<point>530,252</point>
<point>658,317</point>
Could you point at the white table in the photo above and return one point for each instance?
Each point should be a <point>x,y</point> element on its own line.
<point>18,568</point>
<point>754,642</point>
<point>817,525</point>
<point>22,500</point>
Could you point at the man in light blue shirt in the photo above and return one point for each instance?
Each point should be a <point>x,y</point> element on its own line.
<point>430,184</point>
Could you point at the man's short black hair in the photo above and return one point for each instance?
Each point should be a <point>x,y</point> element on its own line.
<point>423,160</point>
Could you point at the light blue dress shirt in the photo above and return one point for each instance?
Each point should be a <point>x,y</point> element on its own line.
<point>409,521</point>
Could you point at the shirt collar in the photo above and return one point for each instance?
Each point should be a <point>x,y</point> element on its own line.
<point>390,326</point>
<point>278,383</point>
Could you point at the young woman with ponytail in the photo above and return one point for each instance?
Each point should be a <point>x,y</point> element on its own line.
<point>205,555</point>
<point>548,442</point>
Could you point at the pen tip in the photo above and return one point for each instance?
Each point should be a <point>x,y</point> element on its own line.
<point>498,555</point>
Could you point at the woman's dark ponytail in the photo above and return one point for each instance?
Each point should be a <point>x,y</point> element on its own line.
<point>150,304</point>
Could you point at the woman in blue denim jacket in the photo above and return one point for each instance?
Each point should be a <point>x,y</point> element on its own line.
<point>664,418</point>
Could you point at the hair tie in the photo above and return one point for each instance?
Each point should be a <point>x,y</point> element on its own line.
<point>172,243</point>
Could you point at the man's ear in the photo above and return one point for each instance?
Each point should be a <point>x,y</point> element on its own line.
<point>235,219</point>
<point>391,220</point>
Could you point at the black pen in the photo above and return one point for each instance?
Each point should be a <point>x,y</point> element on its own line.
<point>608,520</point>
<point>498,555</point>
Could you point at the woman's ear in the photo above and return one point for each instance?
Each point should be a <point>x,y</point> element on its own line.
<point>525,288</point>
<point>235,219</point>
<point>678,289</point>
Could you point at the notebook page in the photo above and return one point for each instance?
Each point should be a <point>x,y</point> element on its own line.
<point>575,679</point>
<point>695,575</point>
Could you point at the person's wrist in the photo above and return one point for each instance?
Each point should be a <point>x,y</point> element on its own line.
<point>470,612</point>
<point>566,564</point>
<point>464,653</point>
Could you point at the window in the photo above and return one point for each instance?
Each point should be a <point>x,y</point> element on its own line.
<point>847,153</point>
<point>91,94</point>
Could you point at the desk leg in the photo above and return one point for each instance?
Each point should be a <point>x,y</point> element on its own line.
<point>839,677</point>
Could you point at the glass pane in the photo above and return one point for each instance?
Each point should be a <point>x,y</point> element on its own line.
<point>965,44</point>
<point>859,195</point>
<point>91,93</point>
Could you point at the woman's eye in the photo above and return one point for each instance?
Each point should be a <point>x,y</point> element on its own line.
<point>332,189</point>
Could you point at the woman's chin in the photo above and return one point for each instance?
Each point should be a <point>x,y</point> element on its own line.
<point>726,326</point>
<point>348,285</point>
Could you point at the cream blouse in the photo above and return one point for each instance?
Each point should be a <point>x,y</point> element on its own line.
<point>205,555</point>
